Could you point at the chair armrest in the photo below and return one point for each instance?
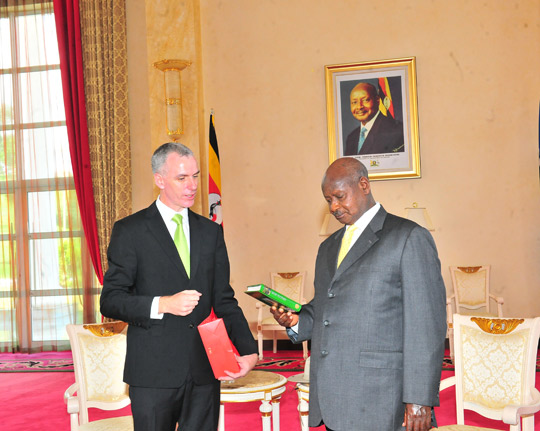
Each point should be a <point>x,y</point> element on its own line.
<point>446,383</point>
<point>497,299</point>
<point>71,400</point>
<point>511,414</point>
<point>72,403</point>
<point>500,301</point>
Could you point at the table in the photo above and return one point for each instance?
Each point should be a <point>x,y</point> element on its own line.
<point>261,386</point>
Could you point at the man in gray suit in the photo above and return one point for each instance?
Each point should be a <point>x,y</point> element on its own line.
<point>377,321</point>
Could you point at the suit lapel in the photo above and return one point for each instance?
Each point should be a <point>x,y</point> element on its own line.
<point>195,241</point>
<point>159,231</point>
<point>333,251</point>
<point>367,239</point>
<point>370,140</point>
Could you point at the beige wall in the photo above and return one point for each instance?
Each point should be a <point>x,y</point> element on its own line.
<point>478,86</point>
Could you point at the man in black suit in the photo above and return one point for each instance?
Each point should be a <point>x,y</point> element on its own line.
<point>377,133</point>
<point>164,298</point>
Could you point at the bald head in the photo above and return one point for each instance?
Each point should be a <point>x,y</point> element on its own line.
<point>347,190</point>
<point>368,88</point>
<point>346,169</point>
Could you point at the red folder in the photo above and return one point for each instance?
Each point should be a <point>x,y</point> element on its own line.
<point>218,346</point>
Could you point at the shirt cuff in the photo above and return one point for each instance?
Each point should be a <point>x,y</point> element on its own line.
<point>294,328</point>
<point>154,310</point>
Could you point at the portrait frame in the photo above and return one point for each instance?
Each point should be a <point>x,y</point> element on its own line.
<point>389,155</point>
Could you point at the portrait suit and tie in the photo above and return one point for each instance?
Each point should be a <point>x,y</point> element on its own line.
<point>168,268</point>
<point>377,322</point>
<point>377,133</point>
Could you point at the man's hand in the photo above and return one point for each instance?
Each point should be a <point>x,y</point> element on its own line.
<point>417,417</point>
<point>179,304</point>
<point>284,319</point>
<point>246,363</point>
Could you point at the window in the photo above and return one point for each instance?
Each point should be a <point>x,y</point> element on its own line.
<point>46,278</point>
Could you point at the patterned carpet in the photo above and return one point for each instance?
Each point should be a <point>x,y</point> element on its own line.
<point>281,364</point>
<point>19,363</point>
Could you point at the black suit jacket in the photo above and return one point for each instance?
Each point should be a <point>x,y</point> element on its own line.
<point>144,263</point>
<point>386,136</point>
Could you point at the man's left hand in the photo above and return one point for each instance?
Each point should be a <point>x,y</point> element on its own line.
<point>417,417</point>
<point>246,363</point>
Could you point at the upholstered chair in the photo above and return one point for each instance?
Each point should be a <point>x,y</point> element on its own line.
<point>495,370</point>
<point>99,352</point>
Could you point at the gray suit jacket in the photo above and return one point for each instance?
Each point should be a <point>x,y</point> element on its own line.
<point>377,326</point>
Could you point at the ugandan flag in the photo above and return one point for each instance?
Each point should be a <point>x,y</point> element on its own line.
<point>385,98</point>
<point>214,176</point>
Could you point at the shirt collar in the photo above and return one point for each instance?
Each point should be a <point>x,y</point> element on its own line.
<point>366,218</point>
<point>369,124</point>
<point>168,213</point>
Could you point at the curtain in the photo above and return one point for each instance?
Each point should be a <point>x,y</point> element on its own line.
<point>66,13</point>
<point>46,278</point>
<point>103,33</point>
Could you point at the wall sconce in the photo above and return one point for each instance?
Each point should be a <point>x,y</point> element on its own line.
<point>420,216</point>
<point>173,95</point>
<point>329,225</point>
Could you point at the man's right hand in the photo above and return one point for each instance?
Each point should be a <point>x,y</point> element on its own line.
<point>286,319</point>
<point>179,304</point>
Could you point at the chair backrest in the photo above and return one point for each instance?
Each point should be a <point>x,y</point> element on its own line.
<point>471,286</point>
<point>290,284</point>
<point>99,352</point>
<point>495,363</point>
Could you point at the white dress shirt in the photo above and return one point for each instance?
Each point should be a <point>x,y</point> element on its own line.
<point>167,214</point>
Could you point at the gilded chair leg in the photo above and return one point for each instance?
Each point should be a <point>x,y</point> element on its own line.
<point>527,423</point>
<point>266,415</point>
<point>221,423</point>
<point>260,343</point>
<point>275,413</point>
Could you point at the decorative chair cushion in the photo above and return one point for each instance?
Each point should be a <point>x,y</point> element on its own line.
<point>103,362</point>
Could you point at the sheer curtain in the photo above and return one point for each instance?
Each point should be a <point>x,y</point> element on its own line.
<point>46,275</point>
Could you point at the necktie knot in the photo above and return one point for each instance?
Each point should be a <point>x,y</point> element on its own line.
<point>177,218</point>
<point>346,243</point>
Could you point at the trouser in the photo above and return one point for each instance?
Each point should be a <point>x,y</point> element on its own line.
<point>193,407</point>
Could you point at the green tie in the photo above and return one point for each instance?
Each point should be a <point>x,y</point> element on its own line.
<point>181,242</point>
<point>345,243</point>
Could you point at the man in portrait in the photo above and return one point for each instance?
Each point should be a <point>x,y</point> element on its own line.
<point>378,133</point>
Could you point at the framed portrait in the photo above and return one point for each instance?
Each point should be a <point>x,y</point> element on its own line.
<point>372,116</point>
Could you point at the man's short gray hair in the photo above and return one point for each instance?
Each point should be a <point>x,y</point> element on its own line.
<point>160,155</point>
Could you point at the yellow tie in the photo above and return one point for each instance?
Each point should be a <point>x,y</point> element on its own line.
<point>345,243</point>
<point>181,242</point>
